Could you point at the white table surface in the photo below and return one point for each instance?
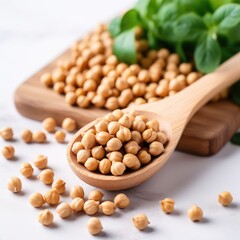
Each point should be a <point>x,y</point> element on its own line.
<point>31,34</point>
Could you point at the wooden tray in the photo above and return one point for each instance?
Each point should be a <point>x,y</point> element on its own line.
<point>205,135</point>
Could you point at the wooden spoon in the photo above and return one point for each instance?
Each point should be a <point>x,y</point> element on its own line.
<point>173,114</point>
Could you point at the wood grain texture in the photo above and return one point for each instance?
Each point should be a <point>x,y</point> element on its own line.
<point>206,133</point>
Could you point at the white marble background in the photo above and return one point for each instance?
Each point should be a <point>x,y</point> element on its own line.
<point>31,34</point>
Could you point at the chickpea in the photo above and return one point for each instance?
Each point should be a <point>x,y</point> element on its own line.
<point>185,68</point>
<point>77,146</point>
<point>60,136</point>
<point>39,137</point>
<point>41,162</point>
<point>195,213</point>
<point>121,201</point>
<point>83,155</point>
<point>94,226</point>
<point>7,133</point>
<point>104,90</point>
<point>132,80</point>
<point>192,77</point>
<point>59,185</point>
<point>69,124</point>
<point>95,195</point>
<point>113,144</point>
<point>46,176</point>
<point>97,48</point>
<point>45,217</point>
<point>130,160</point>
<point>115,156</point>
<point>124,134</point>
<point>83,101</point>
<point>90,207</point>
<point>139,89</point>
<point>69,88</point>
<point>71,80</point>
<point>91,164</point>
<point>118,168</point>
<point>121,67</point>
<point>71,98</point>
<point>225,198</point>
<point>140,221</point>
<point>8,152</point>
<point>140,101</point>
<point>112,103</point>
<point>132,147</point>
<point>58,75</point>
<point>136,136</point>
<point>167,205</point>
<point>107,208</point>
<point>14,185</point>
<point>103,137</point>
<point>127,73</point>
<point>162,89</point>
<point>161,137</point>
<point>163,53</point>
<point>121,84</point>
<point>170,75</point>
<point>80,79</point>
<point>98,59</point>
<point>89,140</point>
<point>117,114</point>
<point>98,101</point>
<point>139,125</point>
<point>26,170</point>
<point>98,152</point>
<point>149,135</point>
<point>105,166</point>
<point>36,200</point>
<point>144,157</point>
<point>64,210</point>
<point>172,67</point>
<point>101,126</point>
<point>155,74</point>
<point>156,148</point>
<point>46,79</point>
<point>76,191</point>
<point>26,136</point>
<point>154,124</point>
<point>126,121</point>
<point>113,127</point>
<point>77,204</point>
<point>173,58</point>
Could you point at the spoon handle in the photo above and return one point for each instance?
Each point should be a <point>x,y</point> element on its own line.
<point>184,104</point>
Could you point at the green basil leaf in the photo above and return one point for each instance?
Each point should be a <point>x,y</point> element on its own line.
<point>130,19</point>
<point>236,139</point>
<point>235,93</point>
<point>234,34</point>
<point>227,16</point>
<point>207,54</point>
<point>217,3</point>
<point>147,8</point>
<point>152,40</point>
<point>124,47</point>
<point>189,27</point>
<point>115,26</point>
<point>180,51</point>
<point>167,13</point>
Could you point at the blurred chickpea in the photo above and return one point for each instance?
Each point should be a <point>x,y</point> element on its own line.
<point>112,103</point>
<point>69,124</point>
<point>27,136</point>
<point>121,67</point>
<point>139,89</point>
<point>46,79</point>
<point>58,87</point>
<point>140,101</point>
<point>58,75</point>
<point>173,58</point>
<point>8,152</point>
<point>39,137</point>
<point>163,53</point>
<point>49,124</point>
<point>185,68</point>
<point>192,77</point>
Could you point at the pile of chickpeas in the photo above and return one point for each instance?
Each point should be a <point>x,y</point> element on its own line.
<point>92,74</point>
<point>119,142</point>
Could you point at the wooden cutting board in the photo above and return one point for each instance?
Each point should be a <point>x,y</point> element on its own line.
<point>207,132</point>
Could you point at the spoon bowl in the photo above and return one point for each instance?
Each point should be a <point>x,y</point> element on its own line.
<point>173,113</point>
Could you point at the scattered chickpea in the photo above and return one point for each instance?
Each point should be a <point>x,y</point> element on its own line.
<point>14,185</point>
<point>83,155</point>
<point>59,185</point>
<point>225,198</point>
<point>49,124</point>
<point>26,136</point>
<point>140,221</point>
<point>195,213</point>
<point>36,199</point>
<point>76,191</point>
<point>41,161</point>
<point>60,136</point>
<point>95,195</point>
<point>39,137</point>
<point>90,207</point>
<point>94,226</point>
<point>64,210</point>
<point>121,200</point>
<point>45,217</point>
<point>52,197</point>
<point>77,204</point>
<point>26,170</point>
<point>46,176</point>
<point>46,79</point>
<point>6,133</point>
<point>8,152</point>
<point>107,208</point>
<point>167,205</point>
<point>69,124</point>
